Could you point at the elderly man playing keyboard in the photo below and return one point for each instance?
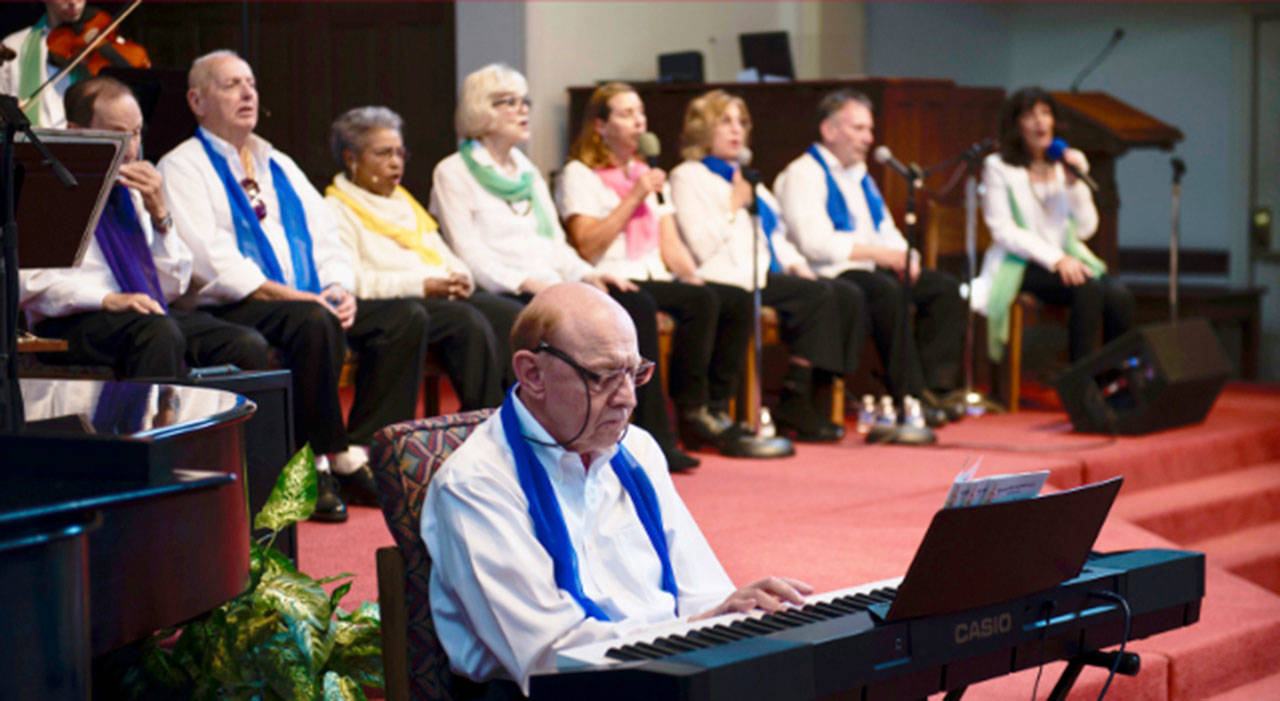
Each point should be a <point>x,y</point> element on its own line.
<point>556,524</point>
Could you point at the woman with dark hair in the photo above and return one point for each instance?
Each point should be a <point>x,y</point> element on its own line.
<point>609,200</point>
<point>1039,214</point>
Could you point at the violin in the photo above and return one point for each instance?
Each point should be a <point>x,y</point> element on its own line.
<point>67,41</point>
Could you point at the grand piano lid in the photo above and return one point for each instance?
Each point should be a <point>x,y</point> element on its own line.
<point>136,411</point>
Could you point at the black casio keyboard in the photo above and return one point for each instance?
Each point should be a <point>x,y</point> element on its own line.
<point>840,642</point>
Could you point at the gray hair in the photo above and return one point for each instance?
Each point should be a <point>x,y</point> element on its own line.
<point>350,131</point>
<point>835,101</point>
<point>476,113</point>
<point>202,68</point>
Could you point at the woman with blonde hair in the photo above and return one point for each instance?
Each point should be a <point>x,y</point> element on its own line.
<point>619,219</point>
<point>399,253</point>
<point>711,198</point>
<point>498,215</point>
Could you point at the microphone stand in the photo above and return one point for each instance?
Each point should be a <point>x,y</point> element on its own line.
<point>763,441</point>
<point>975,403</point>
<point>1179,169</point>
<point>906,433</point>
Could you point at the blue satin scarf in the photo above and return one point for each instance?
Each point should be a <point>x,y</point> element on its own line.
<point>768,218</point>
<point>250,238</point>
<point>837,208</point>
<point>548,520</point>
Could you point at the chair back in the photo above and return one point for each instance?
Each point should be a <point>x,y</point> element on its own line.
<point>404,457</point>
<point>944,237</point>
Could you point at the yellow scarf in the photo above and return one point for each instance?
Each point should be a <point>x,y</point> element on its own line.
<point>411,240</point>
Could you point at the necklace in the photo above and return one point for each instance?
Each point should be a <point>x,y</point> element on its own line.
<point>524,208</point>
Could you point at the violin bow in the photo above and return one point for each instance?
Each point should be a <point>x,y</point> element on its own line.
<point>97,41</point>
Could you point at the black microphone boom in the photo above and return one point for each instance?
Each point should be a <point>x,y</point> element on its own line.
<point>1116,36</point>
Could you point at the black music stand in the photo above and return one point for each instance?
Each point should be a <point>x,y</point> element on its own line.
<point>975,556</point>
<point>58,236</point>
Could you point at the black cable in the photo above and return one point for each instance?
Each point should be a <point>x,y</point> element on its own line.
<point>1128,618</point>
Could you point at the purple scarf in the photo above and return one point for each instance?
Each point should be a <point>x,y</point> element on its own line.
<point>124,245</point>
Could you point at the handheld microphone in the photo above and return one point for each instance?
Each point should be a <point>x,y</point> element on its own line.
<point>1058,148</point>
<point>1116,36</point>
<point>651,148</point>
<point>1179,169</point>
<point>885,156</point>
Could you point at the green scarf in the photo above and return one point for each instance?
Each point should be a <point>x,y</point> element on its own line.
<point>509,190</point>
<point>1008,281</point>
<point>29,69</point>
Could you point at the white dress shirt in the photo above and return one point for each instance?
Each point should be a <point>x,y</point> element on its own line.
<point>499,240</point>
<point>802,191</point>
<point>385,269</point>
<point>1047,209</point>
<point>202,216</point>
<point>494,599</point>
<point>580,191</point>
<point>720,240</point>
<point>49,292</point>
<point>52,113</point>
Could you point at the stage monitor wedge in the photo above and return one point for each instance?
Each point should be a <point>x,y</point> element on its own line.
<point>767,52</point>
<point>1152,378</point>
<point>681,67</point>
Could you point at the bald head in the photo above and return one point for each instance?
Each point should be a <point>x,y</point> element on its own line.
<point>588,334</point>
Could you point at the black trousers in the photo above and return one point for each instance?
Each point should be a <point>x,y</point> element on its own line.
<point>808,312</point>
<point>1101,304</point>
<point>389,334</point>
<point>153,345</point>
<point>929,358</point>
<point>500,311</point>
<point>854,322</point>
<point>460,334</point>
<point>651,407</point>
<point>713,325</point>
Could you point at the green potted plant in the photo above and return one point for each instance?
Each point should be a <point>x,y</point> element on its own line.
<point>283,638</point>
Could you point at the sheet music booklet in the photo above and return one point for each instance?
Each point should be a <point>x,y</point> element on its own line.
<point>968,491</point>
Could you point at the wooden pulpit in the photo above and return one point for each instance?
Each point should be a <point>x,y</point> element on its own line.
<point>1105,128</point>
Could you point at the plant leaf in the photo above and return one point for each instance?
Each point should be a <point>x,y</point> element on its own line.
<point>284,669</point>
<point>367,613</point>
<point>296,596</point>
<point>294,496</point>
<point>357,651</point>
<point>340,688</point>
<point>334,577</point>
<point>337,595</point>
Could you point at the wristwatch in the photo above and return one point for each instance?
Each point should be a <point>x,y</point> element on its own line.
<point>165,224</point>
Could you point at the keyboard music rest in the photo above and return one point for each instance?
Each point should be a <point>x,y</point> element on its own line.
<point>174,539</point>
<point>917,657</point>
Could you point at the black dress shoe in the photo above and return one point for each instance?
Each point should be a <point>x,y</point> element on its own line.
<point>954,409</point>
<point>796,415</point>
<point>699,427</point>
<point>359,487</point>
<point>329,506</point>
<point>678,461</point>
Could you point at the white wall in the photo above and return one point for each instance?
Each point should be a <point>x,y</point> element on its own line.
<point>580,43</point>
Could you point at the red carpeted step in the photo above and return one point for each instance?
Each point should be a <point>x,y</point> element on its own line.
<point>1252,553</point>
<point>1208,507</point>
<point>1267,688</point>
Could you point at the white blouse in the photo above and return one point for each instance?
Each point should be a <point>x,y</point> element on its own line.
<point>580,191</point>
<point>499,240</point>
<point>384,268</point>
<point>720,240</point>
<point>1047,215</point>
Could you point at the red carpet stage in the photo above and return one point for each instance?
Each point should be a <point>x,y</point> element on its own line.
<point>850,513</point>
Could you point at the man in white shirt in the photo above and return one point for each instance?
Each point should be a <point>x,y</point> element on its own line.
<point>268,255</point>
<point>113,309</point>
<point>617,550</point>
<point>32,66</point>
<point>838,220</point>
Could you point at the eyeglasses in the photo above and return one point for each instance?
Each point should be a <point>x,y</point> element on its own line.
<point>512,102</point>
<point>255,197</point>
<point>605,383</point>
